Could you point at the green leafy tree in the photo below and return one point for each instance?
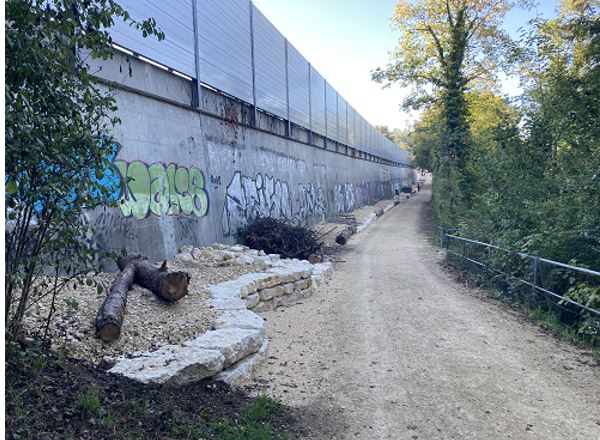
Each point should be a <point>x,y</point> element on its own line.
<point>58,144</point>
<point>444,48</point>
<point>397,136</point>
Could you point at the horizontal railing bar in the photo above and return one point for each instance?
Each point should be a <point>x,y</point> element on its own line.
<point>556,295</point>
<point>521,254</point>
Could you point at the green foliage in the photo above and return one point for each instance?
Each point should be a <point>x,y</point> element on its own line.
<point>58,143</point>
<point>526,176</point>
<point>445,49</point>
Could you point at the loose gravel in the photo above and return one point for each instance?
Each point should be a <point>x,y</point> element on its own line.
<point>149,321</point>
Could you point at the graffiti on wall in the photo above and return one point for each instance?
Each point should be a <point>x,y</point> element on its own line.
<point>262,196</point>
<point>349,196</point>
<point>161,189</point>
<point>247,198</point>
<point>312,202</point>
<point>344,196</point>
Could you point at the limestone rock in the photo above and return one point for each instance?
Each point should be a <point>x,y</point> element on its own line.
<point>171,364</point>
<point>267,294</point>
<point>239,319</point>
<point>288,288</point>
<point>252,300</point>
<point>227,303</point>
<point>233,343</point>
<point>240,373</point>
<point>184,256</point>
<point>263,306</point>
<point>302,284</point>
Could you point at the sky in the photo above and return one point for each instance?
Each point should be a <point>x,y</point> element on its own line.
<point>346,39</point>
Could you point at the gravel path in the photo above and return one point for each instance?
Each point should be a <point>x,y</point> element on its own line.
<point>393,347</point>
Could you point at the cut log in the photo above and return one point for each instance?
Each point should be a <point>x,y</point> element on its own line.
<point>170,286</point>
<point>344,235</point>
<point>110,316</point>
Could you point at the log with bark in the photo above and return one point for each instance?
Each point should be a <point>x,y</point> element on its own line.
<point>170,286</point>
<point>345,234</point>
<point>110,315</point>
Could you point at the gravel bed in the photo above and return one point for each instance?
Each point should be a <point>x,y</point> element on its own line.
<point>149,321</point>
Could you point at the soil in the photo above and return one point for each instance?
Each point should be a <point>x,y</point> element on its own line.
<point>49,398</point>
<point>394,347</point>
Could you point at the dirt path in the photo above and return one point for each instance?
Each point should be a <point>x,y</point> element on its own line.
<point>394,348</point>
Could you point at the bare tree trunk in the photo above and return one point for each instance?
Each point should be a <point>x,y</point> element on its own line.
<point>110,316</point>
<point>170,286</point>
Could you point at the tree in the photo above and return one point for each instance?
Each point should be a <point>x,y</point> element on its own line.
<point>445,47</point>
<point>397,136</point>
<point>58,144</point>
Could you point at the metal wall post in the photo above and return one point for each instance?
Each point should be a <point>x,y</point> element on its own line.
<point>347,128</point>
<point>310,121</point>
<point>337,122</point>
<point>288,124</point>
<point>254,109</point>
<point>197,85</point>
<point>326,131</point>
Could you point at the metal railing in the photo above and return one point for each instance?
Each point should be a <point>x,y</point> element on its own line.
<point>540,274</point>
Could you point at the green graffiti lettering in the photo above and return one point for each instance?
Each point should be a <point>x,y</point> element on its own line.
<point>159,189</point>
<point>139,189</point>
<point>199,196</point>
<point>182,188</point>
<point>173,199</point>
<point>121,167</point>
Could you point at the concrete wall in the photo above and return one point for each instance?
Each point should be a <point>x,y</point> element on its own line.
<point>191,177</point>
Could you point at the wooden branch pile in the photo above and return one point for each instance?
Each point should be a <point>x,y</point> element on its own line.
<point>275,236</point>
<point>169,286</point>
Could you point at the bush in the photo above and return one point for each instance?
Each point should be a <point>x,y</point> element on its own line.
<point>58,144</point>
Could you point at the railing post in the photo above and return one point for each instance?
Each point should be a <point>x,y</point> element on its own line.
<point>197,85</point>
<point>535,277</point>
<point>254,109</point>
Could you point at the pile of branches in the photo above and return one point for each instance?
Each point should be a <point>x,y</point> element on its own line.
<point>281,237</point>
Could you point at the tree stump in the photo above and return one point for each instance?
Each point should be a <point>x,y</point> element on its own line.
<point>110,316</point>
<point>170,286</point>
